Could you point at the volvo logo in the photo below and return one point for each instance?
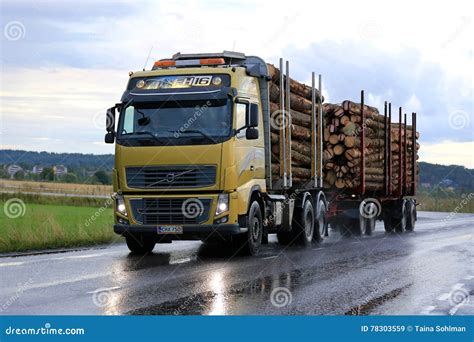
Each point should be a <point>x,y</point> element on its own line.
<point>170,177</point>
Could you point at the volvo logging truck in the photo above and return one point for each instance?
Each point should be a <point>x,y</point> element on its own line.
<point>194,160</point>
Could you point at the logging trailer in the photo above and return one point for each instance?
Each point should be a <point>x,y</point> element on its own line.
<point>193,161</point>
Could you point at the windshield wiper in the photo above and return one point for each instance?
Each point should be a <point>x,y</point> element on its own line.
<point>143,133</point>
<point>205,135</point>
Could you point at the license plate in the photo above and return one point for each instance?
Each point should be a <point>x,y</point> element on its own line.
<point>169,229</point>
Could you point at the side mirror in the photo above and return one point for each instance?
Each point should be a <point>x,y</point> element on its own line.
<point>110,119</point>
<point>251,133</point>
<point>253,115</point>
<point>109,137</point>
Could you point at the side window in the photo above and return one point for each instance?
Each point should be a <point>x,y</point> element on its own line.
<point>128,120</point>
<point>241,118</point>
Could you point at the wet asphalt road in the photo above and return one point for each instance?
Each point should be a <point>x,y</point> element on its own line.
<point>429,271</point>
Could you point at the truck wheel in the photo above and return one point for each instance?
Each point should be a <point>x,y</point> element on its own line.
<point>358,225</point>
<point>411,215</point>
<point>249,243</point>
<point>370,225</point>
<point>320,223</point>
<point>401,220</point>
<point>303,224</point>
<point>140,244</point>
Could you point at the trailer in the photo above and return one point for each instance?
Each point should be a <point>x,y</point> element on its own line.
<point>195,158</point>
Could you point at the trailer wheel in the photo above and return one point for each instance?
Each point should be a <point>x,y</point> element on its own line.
<point>320,223</point>
<point>358,225</point>
<point>401,219</point>
<point>411,215</point>
<point>140,244</point>
<point>370,225</point>
<point>303,224</point>
<point>249,243</point>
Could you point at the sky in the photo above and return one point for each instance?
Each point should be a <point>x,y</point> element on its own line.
<point>63,62</point>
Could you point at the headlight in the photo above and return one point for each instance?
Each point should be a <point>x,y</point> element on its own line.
<point>121,208</point>
<point>222,204</point>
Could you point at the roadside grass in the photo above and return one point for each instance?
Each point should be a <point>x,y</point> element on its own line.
<point>455,204</point>
<point>45,226</point>
<point>58,200</point>
<point>54,187</point>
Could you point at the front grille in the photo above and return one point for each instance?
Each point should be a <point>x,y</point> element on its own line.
<point>178,176</point>
<point>171,210</point>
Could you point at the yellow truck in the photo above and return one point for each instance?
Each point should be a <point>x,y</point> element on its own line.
<point>193,159</point>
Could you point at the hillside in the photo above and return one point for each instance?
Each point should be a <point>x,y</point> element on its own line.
<point>432,175</point>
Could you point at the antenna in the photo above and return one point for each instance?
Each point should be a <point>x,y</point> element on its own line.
<point>148,57</point>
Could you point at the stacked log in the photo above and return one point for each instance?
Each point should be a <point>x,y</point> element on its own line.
<point>342,144</point>
<point>300,112</point>
<point>341,140</point>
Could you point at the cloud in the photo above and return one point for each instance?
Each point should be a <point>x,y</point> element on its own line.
<point>73,60</point>
<point>402,78</point>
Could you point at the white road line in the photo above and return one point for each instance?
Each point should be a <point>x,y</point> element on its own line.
<point>11,263</point>
<point>104,289</point>
<point>318,249</point>
<point>180,261</point>
<point>270,257</point>
<point>427,310</point>
<point>444,296</point>
<point>85,256</point>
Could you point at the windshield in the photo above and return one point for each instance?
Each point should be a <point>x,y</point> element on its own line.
<point>163,123</point>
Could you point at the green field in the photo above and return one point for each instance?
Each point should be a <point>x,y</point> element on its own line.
<point>44,226</point>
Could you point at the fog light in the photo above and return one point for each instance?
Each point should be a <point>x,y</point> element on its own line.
<point>221,220</point>
<point>222,204</point>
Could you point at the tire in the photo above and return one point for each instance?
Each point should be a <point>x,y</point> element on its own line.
<point>358,225</point>
<point>320,224</point>
<point>139,244</point>
<point>249,243</point>
<point>303,224</point>
<point>370,225</point>
<point>411,215</point>
<point>401,219</point>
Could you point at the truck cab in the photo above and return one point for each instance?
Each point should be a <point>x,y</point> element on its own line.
<point>190,152</point>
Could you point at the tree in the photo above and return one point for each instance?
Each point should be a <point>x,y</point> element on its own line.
<point>70,178</point>
<point>102,177</point>
<point>47,174</point>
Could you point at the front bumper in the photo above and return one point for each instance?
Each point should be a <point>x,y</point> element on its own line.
<point>190,232</point>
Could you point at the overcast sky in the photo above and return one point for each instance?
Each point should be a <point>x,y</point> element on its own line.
<point>64,63</point>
